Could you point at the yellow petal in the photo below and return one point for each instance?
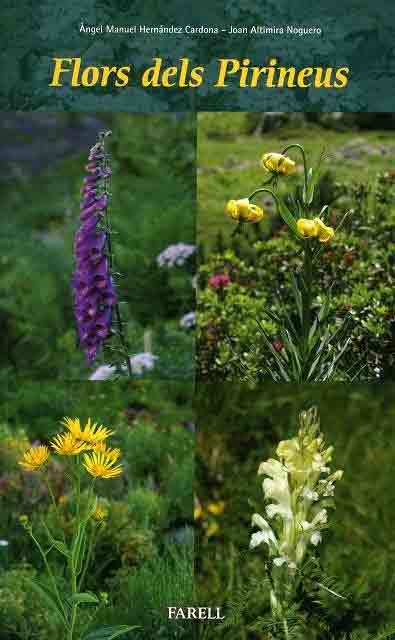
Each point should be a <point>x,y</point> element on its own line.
<point>324,233</point>
<point>307,228</point>
<point>231,209</point>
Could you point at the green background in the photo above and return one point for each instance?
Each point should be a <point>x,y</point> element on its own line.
<point>357,34</point>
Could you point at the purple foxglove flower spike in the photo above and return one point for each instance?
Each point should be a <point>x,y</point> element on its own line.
<point>95,296</point>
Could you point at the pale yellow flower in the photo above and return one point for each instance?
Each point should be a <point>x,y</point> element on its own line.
<point>35,458</point>
<point>278,163</point>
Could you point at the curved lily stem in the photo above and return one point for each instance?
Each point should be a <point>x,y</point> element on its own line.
<point>265,184</point>
<point>265,190</point>
<point>300,148</point>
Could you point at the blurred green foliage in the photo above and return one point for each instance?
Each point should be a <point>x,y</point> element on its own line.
<point>152,206</point>
<point>143,556</point>
<point>358,264</point>
<point>237,429</point>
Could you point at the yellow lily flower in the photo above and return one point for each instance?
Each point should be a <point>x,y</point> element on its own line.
<point>307,228</point>
<point>324,233</point>
<point>278,163</point>
<point>244,211</point>
<point>314,229</point>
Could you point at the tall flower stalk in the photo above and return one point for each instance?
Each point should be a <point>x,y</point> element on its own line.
<point>88,459</point>
<point>96,303</point>
<point>298,489</point>
<point>310,349</point>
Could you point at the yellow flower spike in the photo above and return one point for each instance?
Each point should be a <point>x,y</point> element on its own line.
<point>325,234</point>
<point>243,211</point>
<point>307,228</point>
<point>101,465</point>
<point>66,445</point>
<point>278,163</point>
<point>35,458</point>
<point>90,433</point>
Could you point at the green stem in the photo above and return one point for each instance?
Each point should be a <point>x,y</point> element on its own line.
<point>78,486</point>
<point>51,576</point>
<point>91,544</point>
<point>307,294</point>
<point>75,605</point>
<point>265,190</point>
<point>286,632</point>
<point>300,148</point>
<point>118,316</point>
<point>53,499</point>
<point>265,184</point>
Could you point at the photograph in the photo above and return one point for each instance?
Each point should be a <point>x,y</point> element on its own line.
<point>295,234</point>
<point>96,530</point>
<point>98,246</point>
<point>294,510</point>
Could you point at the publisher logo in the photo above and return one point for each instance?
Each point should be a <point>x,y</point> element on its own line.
<point>194,613</point>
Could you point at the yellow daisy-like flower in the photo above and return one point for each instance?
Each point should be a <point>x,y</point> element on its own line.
<point>101,465</point>
<point>91,433</point>
<point>314,229</point>
<point>35,458</point>
<point>243,211</point>
<point>101,447</point>
<point>100,513</point>
<point>66,445</point>
<point>277,163</point>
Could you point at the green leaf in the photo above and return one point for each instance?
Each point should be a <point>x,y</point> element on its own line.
<point>109,633</point>
<point>287,217</point>
<point>84,598</point>
<point>48,598</point>
<point>58,544</point>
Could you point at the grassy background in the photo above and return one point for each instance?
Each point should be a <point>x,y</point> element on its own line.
<point>143,557</point>
<point>228,161</point>
<point>357,266</point>
<point>237,429</point>
<point>152,206</point>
